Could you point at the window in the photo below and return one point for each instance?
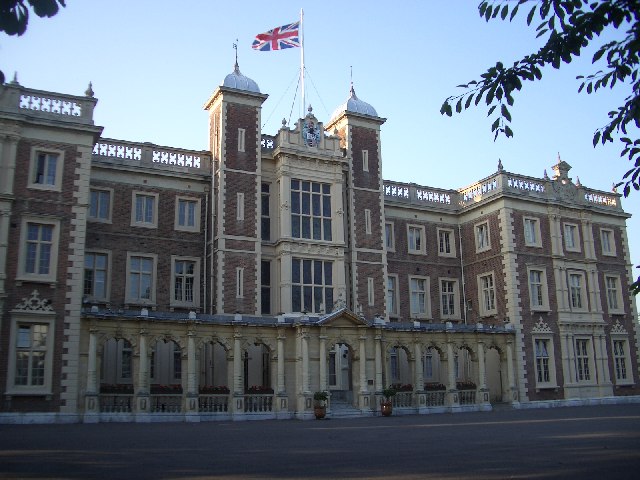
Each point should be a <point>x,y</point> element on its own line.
<point>487,295</point>
<point>38,256</point>
<point>538,292</point>
<point>367,221</point>
<point>30,361</point>
<point>370,292</point>
<point>265,287</point>
<point>265,221</point>
<point>241,136</point>
<point>427,364</point>
<point>45,170</point>
<point>100,205</point>
<point>310,210</point>
<point>614,293</point>
<point>449,298</point>
<point>577,291</point>
<point>312,289</point>
<point>240,206</point>
<point>583,363</point>
<point>96,275</point>
<point>532,232</point>
<point>419,294</point>
<point>187,217</point>
<point>571,237</point>
<point>144,210</point>
<point>620,360</point>
<point>482,237</point>
<point>365,160</point>
<point>392,295</point>
<point>141,278</point>
<point>446,243</point>
<point>544,362</point>
<point>388,237</point>
<point>185,281</point>
<point>415,237</point>
<point>239,282</point>
<point>608,242</point>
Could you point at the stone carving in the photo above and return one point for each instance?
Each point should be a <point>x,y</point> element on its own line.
<point>34,304</point>
<point>541,327</point>
<point>618,328</point>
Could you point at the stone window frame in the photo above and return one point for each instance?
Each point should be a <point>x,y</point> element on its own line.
<point>31,318</point>
<point>36,151</point>
<point>241,139</point>
<point>544,287</point>
<point>452,242</point>
<point>154,279</point>
<point>422,250</point>
<point>156,203</point>
<point>537,240</point>
<point>588,354</point>
<point>611,242</point>
<point>367,221</point>
<point>365,160</point>
<point>584,299</point>
<point>553,381</point>
<point>239,282</point>
<point>197,212</point>
<point>456,298</point>
<point>391,236</point>
<point>619,309</point>
<point>574,228</point>
<point>626,357</point>
<point>427,298</point>
<point>371,298</point>
<point>482,310</point>
<point>107,288</point>
<point>23,275</point>
<point>98,219</point>
<point>240,206</point>
<point>196,282</point>
<point>396,312</point>
<point>482,241</point>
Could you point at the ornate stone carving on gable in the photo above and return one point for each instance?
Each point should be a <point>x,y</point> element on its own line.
<point>34,304</point>
<point>541,327</point>
<point>618,328</point>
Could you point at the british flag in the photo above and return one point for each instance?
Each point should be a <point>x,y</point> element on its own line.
<point>279,38</point>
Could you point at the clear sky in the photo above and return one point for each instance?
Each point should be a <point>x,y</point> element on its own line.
<point>154,63</point>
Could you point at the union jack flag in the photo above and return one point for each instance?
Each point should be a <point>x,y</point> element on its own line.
<point>278,38</point>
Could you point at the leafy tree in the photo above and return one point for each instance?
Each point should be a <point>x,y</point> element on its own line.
<point>14,15</point>
<point>568,26</point>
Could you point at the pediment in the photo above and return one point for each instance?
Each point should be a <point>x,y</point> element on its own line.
<point>342,318</point>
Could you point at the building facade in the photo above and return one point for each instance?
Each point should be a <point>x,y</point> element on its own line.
<point>140,282</point>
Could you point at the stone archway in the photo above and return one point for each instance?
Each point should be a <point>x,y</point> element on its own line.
<point>494,375</point>
<point>340,372</point>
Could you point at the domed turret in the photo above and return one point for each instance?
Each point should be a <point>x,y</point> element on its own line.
<point>354,105</point>
<point>238,81</point>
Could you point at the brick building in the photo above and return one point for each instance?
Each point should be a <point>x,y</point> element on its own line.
<point>141,282</point>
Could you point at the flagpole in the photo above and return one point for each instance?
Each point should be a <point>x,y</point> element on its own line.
<point>304,100</point>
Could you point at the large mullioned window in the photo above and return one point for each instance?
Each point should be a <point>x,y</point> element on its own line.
<point>310,210</point>
<point>312,289</point>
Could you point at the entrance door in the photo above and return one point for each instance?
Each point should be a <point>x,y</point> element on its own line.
<point>340,378</point>
<point>494,375</point>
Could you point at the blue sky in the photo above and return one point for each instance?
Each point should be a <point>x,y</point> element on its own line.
<point>154,63</point>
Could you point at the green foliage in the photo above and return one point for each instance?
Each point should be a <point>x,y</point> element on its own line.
<point>320,396</point>
<point>568,26</point>
<point>388,393</point>
<point>14,15</point>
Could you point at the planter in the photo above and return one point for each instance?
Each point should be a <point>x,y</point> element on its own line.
<point>320,411</point>
<point>386,408</point>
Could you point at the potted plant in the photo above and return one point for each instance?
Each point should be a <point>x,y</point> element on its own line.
<point>386,407</point>
<point>320,404</point>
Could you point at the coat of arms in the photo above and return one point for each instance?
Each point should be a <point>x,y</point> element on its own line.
<point>310,133</point>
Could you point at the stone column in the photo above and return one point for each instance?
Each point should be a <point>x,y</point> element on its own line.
<point>482,372</point>
<point>453,399</point>
<point>363,365</point>
<point>323,363</point>
<point>378,379</point>
<point>142,390</point>
<point>280,380</point>
<point>510,374</point>
<point>305,361</point>
<point>192,387</point>
<point>237,364</point>
<point>91,402</point>
<point>418,373</point>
